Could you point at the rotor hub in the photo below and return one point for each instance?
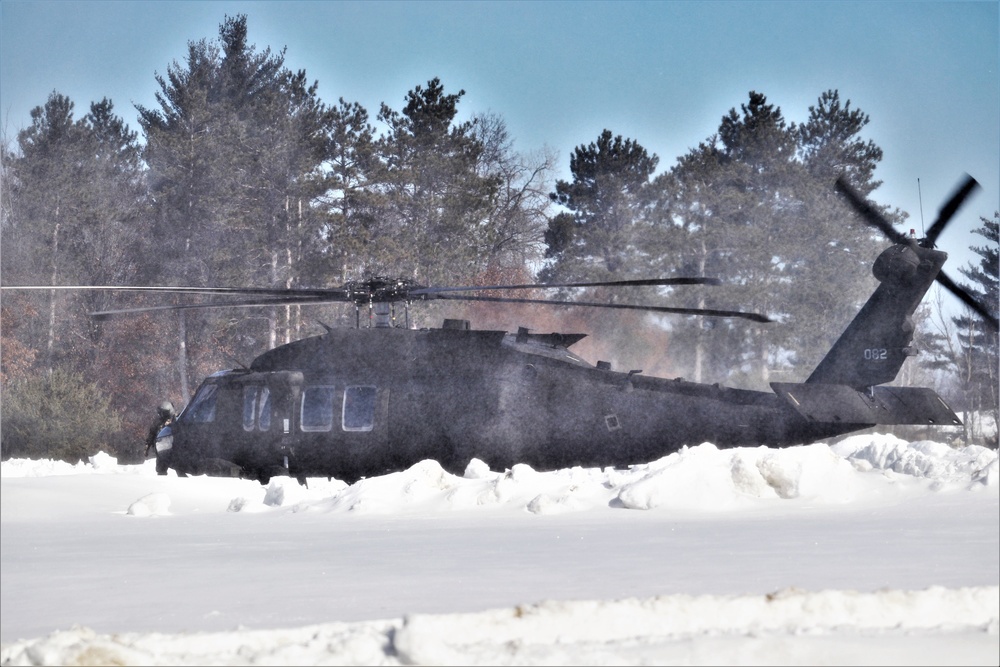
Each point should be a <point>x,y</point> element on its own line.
<point>379,289</point>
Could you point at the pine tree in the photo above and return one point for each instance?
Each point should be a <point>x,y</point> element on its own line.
<point>607,199</point>
<point>978,359</point>
<point>741,199</point>
<point>76,217</point>
<point>349,196</point>
<point>758,209</point>
<point>690,241</point>
<point>76,214</point>
<point>831,259</point>
<point>431,198</point>
<point>603,235</point>
<point>235,152</point>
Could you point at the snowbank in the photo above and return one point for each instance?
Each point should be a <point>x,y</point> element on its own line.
<point>789,627</point>
<point>925,459</point>
<point>696,479</point>
<point>100,463</point>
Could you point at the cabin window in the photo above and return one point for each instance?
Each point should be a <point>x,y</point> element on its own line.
<point>249,407</point>
<point>264,409</point>
<point>317,409</point>
<point>256,408</point>
<point>202,407</point>
<point>359,408</point>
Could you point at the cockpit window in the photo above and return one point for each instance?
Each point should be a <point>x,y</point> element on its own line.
<point>359,408</point>
<point>202,407</point>
<point>317,408</point>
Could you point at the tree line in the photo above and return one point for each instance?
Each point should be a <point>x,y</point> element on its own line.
<point>243,176</point>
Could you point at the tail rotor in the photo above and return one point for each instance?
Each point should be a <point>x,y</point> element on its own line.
<point>871,215</point>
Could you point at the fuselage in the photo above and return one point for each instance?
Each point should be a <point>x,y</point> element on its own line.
<point>360,402</point>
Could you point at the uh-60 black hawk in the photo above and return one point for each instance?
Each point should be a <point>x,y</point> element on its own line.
<point>364,401</point>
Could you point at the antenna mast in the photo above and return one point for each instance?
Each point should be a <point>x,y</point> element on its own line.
<point>920,199</point>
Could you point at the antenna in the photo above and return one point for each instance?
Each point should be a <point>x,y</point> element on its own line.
<point>920,199</point>
<point>236,361</point>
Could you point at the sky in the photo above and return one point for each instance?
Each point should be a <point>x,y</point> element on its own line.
<point>872,551</point>
<point>661,73</point>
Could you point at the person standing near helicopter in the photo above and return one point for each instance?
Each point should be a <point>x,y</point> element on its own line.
<point>164,415</point>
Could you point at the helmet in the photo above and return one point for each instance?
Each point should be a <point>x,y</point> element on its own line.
<point>166,408</point>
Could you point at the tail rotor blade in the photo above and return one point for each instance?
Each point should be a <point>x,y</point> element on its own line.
<point>967,299</point>
<point>950,208</point>
<point>868,212</point>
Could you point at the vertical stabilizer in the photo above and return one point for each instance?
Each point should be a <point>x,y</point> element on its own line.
<point>876,343</point>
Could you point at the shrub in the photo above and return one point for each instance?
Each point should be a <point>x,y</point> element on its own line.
<point>58,416</point>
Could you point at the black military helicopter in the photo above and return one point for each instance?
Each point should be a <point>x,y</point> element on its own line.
<point>364,401</point>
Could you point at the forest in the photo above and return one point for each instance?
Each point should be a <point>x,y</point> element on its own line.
<point>242,176</point>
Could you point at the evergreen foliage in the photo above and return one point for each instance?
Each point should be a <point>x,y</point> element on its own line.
<point>607,197</point>
<point>234,152</point>
<point>58,416</point>
<point>435,199</point>
<point>753,205</point>
<point>831,257</point>
<point>77,214</point>
<point>604,236</point>
<point>977,360</point>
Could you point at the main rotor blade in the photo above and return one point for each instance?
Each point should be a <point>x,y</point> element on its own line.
<point>335,294</point>
<point>868,212</point>
<point>610,283</point>
<point>364,292</point>
<point>967,299</point>
<point>247,303</point>
<point>754,317</point>
<point>950,208</point>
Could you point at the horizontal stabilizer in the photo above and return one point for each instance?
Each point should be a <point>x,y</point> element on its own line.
<point>840,404</point>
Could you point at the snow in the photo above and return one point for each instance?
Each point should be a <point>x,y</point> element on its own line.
<point>874,550</point>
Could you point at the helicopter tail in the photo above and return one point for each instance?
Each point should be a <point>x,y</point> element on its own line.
<point>844,386</point>
<point>876,343</point>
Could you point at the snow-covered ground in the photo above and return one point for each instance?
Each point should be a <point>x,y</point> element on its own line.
<point>873,551</point>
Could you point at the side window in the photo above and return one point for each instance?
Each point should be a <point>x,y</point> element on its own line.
<point>317,409</point>
<point>359,408</point>
<point>264,413</point>
<point>256,408</point>
<point>202,408</point>
<point>249,407</point>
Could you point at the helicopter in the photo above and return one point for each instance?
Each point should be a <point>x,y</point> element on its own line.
<point>364,401</point>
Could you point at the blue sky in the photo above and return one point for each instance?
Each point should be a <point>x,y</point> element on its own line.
<point>662,73</point>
